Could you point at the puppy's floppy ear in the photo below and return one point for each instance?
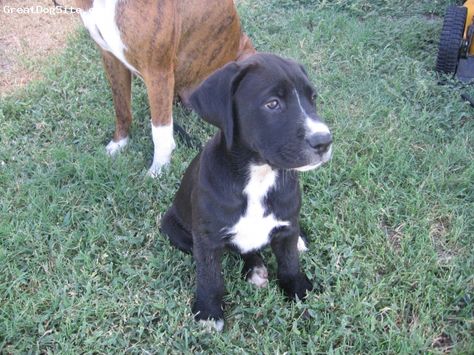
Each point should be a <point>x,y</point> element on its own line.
<point>213,99</point>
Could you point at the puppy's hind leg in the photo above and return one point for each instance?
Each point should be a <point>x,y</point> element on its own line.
<point>175,231</point>
<point>254,269</point>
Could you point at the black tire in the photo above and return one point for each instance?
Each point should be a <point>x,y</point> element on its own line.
<point>451,38</point>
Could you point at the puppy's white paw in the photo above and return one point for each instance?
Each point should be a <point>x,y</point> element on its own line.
<point>301,245</point>
<point>212,325</point>
<point>258,276</point>
<point>114,147</point>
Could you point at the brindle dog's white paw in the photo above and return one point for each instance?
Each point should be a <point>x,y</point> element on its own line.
<point>114,147</point>
<point>164,144</point>
<point>155,170</point>
<point>258,276</point>
<point>211,325</point>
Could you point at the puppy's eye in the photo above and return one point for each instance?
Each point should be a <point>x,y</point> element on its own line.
<point>272,105</point>
<point>314,96</point>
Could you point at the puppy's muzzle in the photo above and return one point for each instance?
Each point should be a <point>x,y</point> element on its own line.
<point>320,142</point>
<point>318,148</point>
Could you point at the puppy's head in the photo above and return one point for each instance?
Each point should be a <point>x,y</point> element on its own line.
<point>266,103</point>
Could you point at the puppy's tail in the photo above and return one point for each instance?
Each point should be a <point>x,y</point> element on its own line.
<point>189,141</point>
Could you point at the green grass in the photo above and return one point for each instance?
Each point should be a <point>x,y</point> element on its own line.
<point>85,269</point>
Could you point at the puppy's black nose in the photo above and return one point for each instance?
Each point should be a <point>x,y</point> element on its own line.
<point>320,142</point>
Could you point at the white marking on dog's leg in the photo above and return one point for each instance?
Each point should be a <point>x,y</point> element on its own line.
<point>212,325</point>
<point>114,147</point>
<point>258,276</point>
<point>301,245</point>
<point>164,144</point>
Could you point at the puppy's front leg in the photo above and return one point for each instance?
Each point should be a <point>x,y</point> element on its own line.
<point>293,282</point>
<point>207,307</point>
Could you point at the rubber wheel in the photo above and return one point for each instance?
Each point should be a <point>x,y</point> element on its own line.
<point>451,38</point>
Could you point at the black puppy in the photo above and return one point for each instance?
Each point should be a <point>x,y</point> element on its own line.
<point>242,190</point>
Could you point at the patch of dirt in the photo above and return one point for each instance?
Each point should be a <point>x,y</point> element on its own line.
<point>27,39</point>
<point>443,343</point>
<point>438,232</point>
<point>394,235</point>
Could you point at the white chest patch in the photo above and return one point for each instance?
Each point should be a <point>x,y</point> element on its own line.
<point>252,231</point>
<point>100,21</point>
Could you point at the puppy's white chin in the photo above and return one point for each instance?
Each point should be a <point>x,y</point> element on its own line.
<point>309,167</point>
<point>324,159</point>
